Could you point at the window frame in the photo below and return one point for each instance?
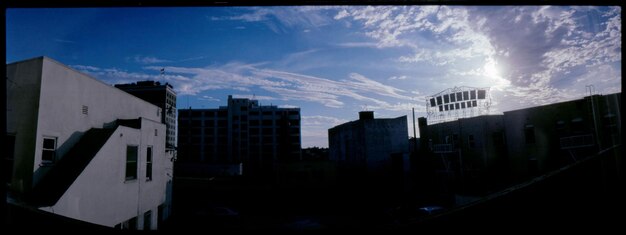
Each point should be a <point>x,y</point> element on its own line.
<point>53,150</point>
<point>128,161</point>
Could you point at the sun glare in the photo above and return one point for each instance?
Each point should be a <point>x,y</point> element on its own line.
<point>491,70</point>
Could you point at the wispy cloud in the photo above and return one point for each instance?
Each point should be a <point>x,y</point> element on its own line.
<point>403,77</point>
<point>255,97</point>
<point>147,60</point>
<point>279,19</point>
<point>315,129</point>
<point>208,98</point>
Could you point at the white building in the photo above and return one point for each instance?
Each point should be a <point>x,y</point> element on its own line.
<point>84,149</point>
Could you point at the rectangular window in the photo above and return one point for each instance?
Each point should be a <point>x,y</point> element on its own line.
<point>459,97</point>
<point>440,108</point>
<point>452,98</point>
<point>456,106</point>
<point>465,95</point>
<point>432,102</point>
<point>529,134</point>
<point>439,101</point>
<point>147,220</point>
<point>149,163</point>
<point>463,105</point>
<point>131,162</point>
<point>86,109</point>
<point>49,149</point>
<point>446,99</point>
<point>473,94</point>
<point>8,158</point>
<point>481,94</point>
<point>470,141</point>
<point>445,106</point>
<point>474,103</point>
<point>155,132</point>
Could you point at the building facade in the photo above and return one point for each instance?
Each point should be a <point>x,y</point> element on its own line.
<point>243,133</point>
<point>374,147</point>
<point>468,154</point>
<point>162,95</point>
<point>84,149</point>
<point>544,138</point>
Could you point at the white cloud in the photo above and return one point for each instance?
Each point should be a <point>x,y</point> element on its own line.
<point>403,77</point>
<point>209,98</point>
<point>254,97</point>
<point>147,60</point>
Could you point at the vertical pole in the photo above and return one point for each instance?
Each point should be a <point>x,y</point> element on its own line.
<point>414,132</point>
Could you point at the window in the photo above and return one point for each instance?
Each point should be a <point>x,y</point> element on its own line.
<point>155,132</point>
<point>85,109</point>
<point>529,134</point>
<point>8,158</point>
<point>48,154</point>
<point>149,163</point>
<point>147,220</point>
<point>473,94</point>
<point>131,162</point>
<point>452,98</point>
<point>446,99</point>
<point>470,141</point>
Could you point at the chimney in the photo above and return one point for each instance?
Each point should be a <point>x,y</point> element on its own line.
<point>366,115</point>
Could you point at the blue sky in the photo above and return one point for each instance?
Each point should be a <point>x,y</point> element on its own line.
<point>334,61</point>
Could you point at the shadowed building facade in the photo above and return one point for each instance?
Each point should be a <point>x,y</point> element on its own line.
<point>243,138</point>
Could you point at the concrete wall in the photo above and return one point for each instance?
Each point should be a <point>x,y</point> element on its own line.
<point>112,199</point>
<point>62,94</point>
<point>48,99</point>
<point>23,84</point>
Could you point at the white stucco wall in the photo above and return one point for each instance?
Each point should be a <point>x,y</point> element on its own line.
<point>64,91</point>
<point>48,100</point>
<point>101,195</point>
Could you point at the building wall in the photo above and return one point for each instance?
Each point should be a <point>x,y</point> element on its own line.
<point>162,96</point>
<point>534,135</point>
<point>243,131</point>
<point>368,144</point>
<point>49,99</point>
<point>474,148</point>
<point>23,86</point>
<point>113,199</point>
<point>62,94</point>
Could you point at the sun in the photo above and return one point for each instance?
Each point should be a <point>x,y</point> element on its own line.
<point>491,69</point>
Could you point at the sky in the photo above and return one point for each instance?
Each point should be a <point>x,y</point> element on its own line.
<point>334,61</point>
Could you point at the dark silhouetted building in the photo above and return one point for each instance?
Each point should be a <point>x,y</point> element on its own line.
<point>241,138</point>
<point>544,138</point>
<point>377,147</point>
<point>467,155</point>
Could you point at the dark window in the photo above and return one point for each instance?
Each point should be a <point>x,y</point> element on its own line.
<point>456,106</point>
<point>474,103</point>
<point>8,158</point>
<point>48,154</point>
<point>470,141</point>
<point>473,94</point>
<point>439,100</point>
<point>149,163</point>
<point>156,133</point>
<point>451,106</point>
<point>529,134</point>
<point>131,162</point>
<point>254,113</point>
<point>459,97</point>
<point>445,107</point>
<point>244,108</point>
<point>244,118</point>
<point>147,220</point>
<point>440,108</point>
<point>481,94</point>
<point>469,104</point>
<point>432,102</point>
<point>452,98</point>
<point>465,95</point>
<point>463,105</point>
<point>446,99</point>
<point>254,122</point>
<point>267,122</point>
<point>267,112</point>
